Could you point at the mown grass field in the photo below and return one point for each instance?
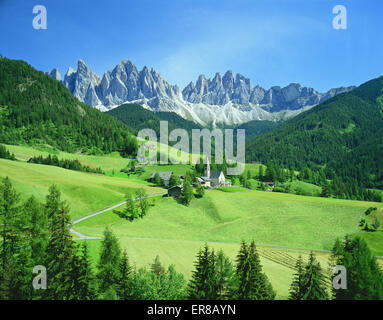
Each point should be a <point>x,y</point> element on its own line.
<point>85,192</point>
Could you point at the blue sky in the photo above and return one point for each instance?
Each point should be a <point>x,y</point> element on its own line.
<point>273,42</point>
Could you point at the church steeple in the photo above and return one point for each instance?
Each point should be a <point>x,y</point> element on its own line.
<point>207,169</point>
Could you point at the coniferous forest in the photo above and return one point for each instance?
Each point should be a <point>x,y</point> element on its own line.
<point>57,118</point>
<point>343,136</point>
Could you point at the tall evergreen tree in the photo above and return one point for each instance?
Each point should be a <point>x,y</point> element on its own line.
<point>225,276</point>
<point>252,282</point>
<point>157,268</point>
<point>124,280</point>
<point>314,287</point>
<point>364,276</point>
<point>37,228</point>
<point>10,244</point>
<point>296,288</point>
<point>108,266</point>
<point>60,253</point>
<point>82,278</point>
<point>203,284</point>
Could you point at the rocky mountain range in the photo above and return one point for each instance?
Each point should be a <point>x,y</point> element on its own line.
<point>229,100</point>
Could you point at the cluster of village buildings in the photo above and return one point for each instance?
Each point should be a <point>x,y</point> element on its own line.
<point>211,179</point>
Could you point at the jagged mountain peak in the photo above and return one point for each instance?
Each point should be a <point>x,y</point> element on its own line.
<point>230,98</point>
<point>55,74</point>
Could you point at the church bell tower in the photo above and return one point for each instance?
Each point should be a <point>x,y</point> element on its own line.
<point>207,168</point>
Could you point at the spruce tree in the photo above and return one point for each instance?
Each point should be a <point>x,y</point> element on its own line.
<point>225,276</point>
<point>37,227</point>
<point>157,267</point>
<point>314,285</point>
<point>60,254</point>
<point>296,288</point>
<point>203,284</point>
<point>108,266</point>
<point>82,277</point>
<point>10,245</point>
<point>261,173</point>
<point>364,276</point>
<point>124,280</point>
<point>53,203</point>
<point>252,282</point>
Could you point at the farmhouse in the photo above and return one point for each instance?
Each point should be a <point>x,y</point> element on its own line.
<point>164,176</point>
<point>175,191</point>
<point>204,181</point>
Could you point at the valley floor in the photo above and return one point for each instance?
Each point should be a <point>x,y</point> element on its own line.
<point>282,225</point>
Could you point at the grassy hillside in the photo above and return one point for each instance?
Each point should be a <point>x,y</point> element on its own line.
<point>108,162</point>
<point>268,218</point>
<point>222,220</point>
<point>85,192</point>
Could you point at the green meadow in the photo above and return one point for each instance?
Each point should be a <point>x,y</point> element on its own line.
<point>85,192</point>
<point>282,225</point>
<point>265,217</point>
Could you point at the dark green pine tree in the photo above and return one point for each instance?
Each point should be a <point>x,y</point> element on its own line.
<point>53,204</point>
<point>252,282</point>
<point>124,281</point>
<point>364,276</point>
<point>84,280</point>
<point>296,288</point>
<point>37,227</point>
<point>108,266</point>
<point>10,246</point>
<point>225,276</point>
<point>314,287</point>
<point>60,255</point>
<point>157,268</point>
<point>203,285</point>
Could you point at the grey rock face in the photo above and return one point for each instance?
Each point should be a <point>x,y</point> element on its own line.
<point>55,74</point>
<point>83,83</point>
<point>230,99</point>
<point>219,91</point>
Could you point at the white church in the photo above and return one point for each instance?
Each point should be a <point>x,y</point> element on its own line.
<point>212,178</point>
